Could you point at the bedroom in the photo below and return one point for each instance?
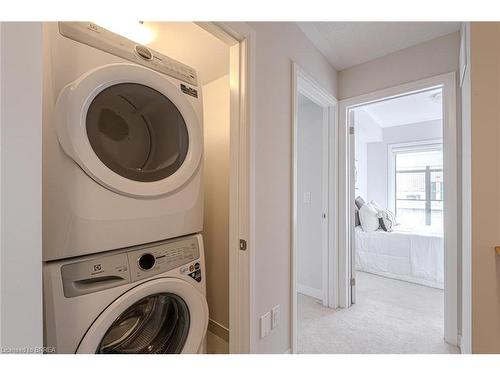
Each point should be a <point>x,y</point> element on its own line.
<point>398,260</point>
<point>398,252</point>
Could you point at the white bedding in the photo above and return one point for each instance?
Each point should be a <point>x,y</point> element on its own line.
<point>402,255</point>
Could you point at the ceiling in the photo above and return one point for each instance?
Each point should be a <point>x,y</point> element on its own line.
<point>346,44</point>
<point>193,46</point>
<point>405,110</point>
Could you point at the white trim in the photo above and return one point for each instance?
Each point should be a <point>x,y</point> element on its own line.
<point>466,341</point>
<point>310,291</point>
<point>241,39</point>
<point>448,83</point>
<point>303,83</point>
<point>324,198</point>
<point>333,198</point>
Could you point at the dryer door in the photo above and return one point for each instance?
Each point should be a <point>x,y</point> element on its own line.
<point>131,129</point>
<point>162,316</point>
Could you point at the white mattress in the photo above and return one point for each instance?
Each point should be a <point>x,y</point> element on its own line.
<point>401,254</point>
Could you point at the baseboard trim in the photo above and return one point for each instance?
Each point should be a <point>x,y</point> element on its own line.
<point>218,330</point>
<point>309,291</point>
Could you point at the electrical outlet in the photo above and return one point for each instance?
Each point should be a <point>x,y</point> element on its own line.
<point>275,316</point>
<point>265,325</point>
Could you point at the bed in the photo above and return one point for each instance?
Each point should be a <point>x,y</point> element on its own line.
<point>401,254</point>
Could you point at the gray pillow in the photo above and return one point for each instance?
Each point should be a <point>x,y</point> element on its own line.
<point>359,202</point>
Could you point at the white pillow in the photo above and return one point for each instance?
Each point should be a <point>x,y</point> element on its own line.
<point>368,218</point>
<point>376,206</point>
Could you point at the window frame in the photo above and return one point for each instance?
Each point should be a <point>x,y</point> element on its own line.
<point>393,149</point>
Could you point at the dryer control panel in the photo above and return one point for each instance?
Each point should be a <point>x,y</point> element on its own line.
<point>130,265</point>
<point>98,37</point>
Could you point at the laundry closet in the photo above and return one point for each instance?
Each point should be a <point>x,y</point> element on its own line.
<point>192,45</point>
<point>135,150</point>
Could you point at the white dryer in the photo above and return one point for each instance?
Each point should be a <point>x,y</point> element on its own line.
<point>123,143</point>
<point>146,299</point>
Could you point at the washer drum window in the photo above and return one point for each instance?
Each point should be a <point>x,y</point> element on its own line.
<point>157,324</point>
<point>137,132</point>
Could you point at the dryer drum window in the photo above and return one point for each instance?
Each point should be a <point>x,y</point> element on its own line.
<point>157,324</point>
<point>137,132</point>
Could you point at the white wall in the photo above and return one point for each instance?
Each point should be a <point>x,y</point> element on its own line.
<point>310,205</point>
<point>277,45</point>
<point>216,209</point>
<point>424,60</point>
<point>21,185</point>
<point>366,130</point>
<point>466,344</point>
<point>378,160</point>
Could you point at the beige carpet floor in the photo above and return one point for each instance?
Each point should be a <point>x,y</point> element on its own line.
<point>390,316</point>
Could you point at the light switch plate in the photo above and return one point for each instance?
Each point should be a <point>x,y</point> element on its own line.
<point>265,325</point>
<point>307,197</point>
<point>275,316</point>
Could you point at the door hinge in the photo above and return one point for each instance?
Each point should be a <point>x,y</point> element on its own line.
<point>243,245</point>
<point>353,282</point>
<point>351,130</point>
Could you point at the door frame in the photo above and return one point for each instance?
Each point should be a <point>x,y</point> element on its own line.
<point>240,38</point>
<point>448,83</point>
<point>304,84</point>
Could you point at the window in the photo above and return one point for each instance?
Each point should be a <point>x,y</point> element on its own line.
<point>417,185</point>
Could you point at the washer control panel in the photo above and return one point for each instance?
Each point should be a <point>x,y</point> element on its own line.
<point>129,265</point>
<point>160,258</point>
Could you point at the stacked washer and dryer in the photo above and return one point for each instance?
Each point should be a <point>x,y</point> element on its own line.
<point>124,268</point>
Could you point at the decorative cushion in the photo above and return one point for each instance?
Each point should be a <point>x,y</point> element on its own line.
<point>359,202</point>
<point>386,220</point>
<point>368,218</point>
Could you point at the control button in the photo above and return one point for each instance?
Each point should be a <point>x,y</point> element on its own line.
<point>191,268</point>
<point>147,261</point>
<point>197,266</point>
<point>144,52</point>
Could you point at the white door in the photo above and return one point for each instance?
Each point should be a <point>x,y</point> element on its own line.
<point>352,184</point>
<point>312,205</point>
<point>131,129</point>
<point>161,316</point>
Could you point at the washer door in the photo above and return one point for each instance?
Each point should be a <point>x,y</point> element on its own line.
<point>131,129</point>
<point>162,316</point>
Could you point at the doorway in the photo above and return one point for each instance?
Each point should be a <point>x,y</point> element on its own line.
<point>433,204</point>
<point>314,220</point>
<point>240,38</point>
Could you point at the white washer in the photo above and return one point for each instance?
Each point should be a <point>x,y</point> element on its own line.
<point>144,299</point>
<point>123,143</point>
